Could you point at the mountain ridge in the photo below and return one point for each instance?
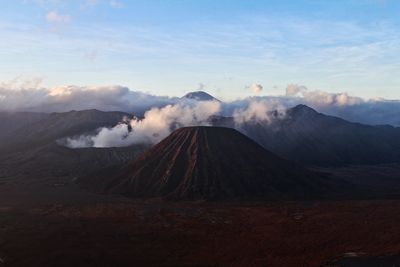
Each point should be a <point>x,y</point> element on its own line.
<point>312,138</point>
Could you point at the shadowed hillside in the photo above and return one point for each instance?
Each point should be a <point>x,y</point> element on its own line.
<point>312,138</point>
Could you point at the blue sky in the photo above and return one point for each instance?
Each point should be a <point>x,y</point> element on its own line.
<point>169,47</point>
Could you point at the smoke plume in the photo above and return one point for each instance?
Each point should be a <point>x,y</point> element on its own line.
<point>257,110</point>
<point>157,124</point>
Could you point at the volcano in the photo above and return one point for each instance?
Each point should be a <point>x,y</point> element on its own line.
<point>215,163</point>
<point>200,96</point>
<point>314,139</point>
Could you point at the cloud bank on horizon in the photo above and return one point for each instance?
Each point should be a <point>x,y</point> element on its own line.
<point>18,95</point>
<point>29,95</point>
<point>157,116</point>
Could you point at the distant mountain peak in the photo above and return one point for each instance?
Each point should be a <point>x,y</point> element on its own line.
<point>302,107</point>
<point>200,96</point>
<point>302,110</point>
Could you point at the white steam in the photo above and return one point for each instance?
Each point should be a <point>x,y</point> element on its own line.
<point>258,110</point>
<point>157,124</point>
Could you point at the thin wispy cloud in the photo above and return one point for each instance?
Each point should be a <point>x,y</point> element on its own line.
<point>335,53</point>
<point>55,17</point>
<point>116,4</point>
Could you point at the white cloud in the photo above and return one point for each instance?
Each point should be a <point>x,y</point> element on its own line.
<point>256,88</point>
<point>55,17</point>
<point>321,98</point>
<point>294,89</point>
<point>22,95</point>
<point>30,95</point>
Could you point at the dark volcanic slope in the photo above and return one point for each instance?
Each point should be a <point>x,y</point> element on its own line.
<point>12,121</point>
<point>59,125</point>
<point>307,136</point>
<point>312,138</point>
<point>30,153</point>
<point>52,163</point>
<point>214,163</point>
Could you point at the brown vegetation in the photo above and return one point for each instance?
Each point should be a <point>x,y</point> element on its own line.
<point>123,232</point>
